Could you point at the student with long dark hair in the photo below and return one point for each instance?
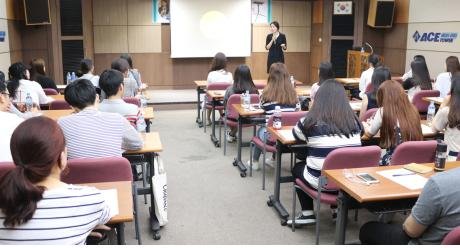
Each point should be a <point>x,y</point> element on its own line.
<point>420,79</point>
<point>380,75</point>
<point>330,124</point>
<point>38,74</point>
<point>443,80</point>
<point>448,119</point>
<point>397,119</point>
<point>325,72</point>
<point>408,74</point>
<point>36,206</point>
<point>242,83</point>
<point>87,71</point>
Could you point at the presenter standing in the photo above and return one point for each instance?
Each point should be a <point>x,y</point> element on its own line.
<point>275,44</point>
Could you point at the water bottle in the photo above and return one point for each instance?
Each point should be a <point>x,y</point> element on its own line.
<point>73,76</point>
<point>277,118</point>
<point>430,113</point>
<point>143,102</point>
<point>140,124</point>
<point>440,157</point>
<point>29,103</point>
<point>247,100</point>
<point>242,99</point>
<point>292,81</point>
<point>68,78</point>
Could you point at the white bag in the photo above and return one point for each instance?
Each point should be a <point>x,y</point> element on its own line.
<point>160,187</point>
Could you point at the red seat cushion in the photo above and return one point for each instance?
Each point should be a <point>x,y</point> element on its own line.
<point>260,143</point>
<point>326,197</point>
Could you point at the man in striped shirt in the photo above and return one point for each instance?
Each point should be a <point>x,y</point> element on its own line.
<point>91,133</point>
<point>111,82</point>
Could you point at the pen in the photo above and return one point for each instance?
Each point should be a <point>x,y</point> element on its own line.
<point>404,174</point>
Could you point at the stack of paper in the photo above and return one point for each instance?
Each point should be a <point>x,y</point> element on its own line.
<point>286,134</point>
<point>111,199</point>
<point>405,178</point>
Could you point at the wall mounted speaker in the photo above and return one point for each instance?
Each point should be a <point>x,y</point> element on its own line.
<point>381,13</point>
<point>37,12</point>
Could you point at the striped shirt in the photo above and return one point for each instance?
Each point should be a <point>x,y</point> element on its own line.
<point>320,142</point>
<point>92,134</point>
<point>130,111</point>
<point>64,216</point>
<point>269,107</point>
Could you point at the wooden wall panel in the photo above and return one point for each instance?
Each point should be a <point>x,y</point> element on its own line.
<point>296,13</point>
<point>110,39</point>
<point>87,19</point>
<point>14,9</point>
<point>395,37</point>
<point>298,38</point>
<point>277,11</point>
<point>259,34</point>
<point>15,56</point>
<point>317,11</point>
<point>395,59</point>
<point>401,11</point>
<point>140,12</point>
<point>166,38</point>
<point>110,12</point>
<point>144,39</point>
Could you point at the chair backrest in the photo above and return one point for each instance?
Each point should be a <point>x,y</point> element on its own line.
<point>5,167</point>
<point>50,91</point>
<point>218,86</point>
<point>234,99</point>
<point>287,119</point>
<point>133,100</point>
<point>93,170</point>
<point>369,114</point>
<point>452,238</point>
<point>351,157</point>
<point>260,86</point>
<point>420,104</point>
<point>369,88</point>
<point>414,152</point>
<point>59,104</point>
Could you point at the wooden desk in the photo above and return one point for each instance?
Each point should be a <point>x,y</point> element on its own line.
<point>349,82</point>
<point>152,143</point>
<point>436,100</point>
<point>385,191</point>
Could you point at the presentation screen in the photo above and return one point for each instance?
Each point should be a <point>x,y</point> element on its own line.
<point>201,28</point>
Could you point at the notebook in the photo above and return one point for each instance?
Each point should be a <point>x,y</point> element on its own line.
<point>419,168</point>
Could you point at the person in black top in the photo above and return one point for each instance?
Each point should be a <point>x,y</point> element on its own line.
<point>38,74</point>
<point>275,44</point>
<point>380,75</point>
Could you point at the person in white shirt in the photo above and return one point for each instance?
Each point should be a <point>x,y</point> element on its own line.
<point>19,86</point>
<point>218,74</point>
<point>443,80</point>
<point>366,75</point>
<point>7,125</point>
<point>130,85</point>
<point>87,69</point>
<point>408,74</point>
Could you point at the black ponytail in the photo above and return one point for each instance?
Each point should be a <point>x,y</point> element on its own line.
<point>16,72</point>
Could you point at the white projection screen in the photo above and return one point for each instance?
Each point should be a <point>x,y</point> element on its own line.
<point>201,28</point>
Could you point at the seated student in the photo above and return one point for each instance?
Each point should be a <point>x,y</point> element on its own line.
<point>448,118</point>
<point>408,74</point>
<point>433,216</point>
<point>397,119</point>
<point>242,83</point>
<point>87,71</point>
<point>218,74</point>
<point>443,80</point>
<point>111,83</point>
<point>130,85</point>
<point>19,86</point>
<point>380,75</point>
<point>8,124</point>
<point>38,74</point>
<point>278,92</point>
<point>420,79</point>
<point>133,73</point>
<point>366,76</point>
<point>90,133</point>
<point>325,72</point>
<point>36,207</point>
<point>330,124</point>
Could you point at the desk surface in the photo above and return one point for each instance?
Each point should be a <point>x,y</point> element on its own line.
<point>56,114</point>
<point>243,112</point>
<point>125,199</point>
<point>204,83</point>
<point>152,143</point>
<point>385,190</point>
<point>436,100</point>
<point>348,81</point>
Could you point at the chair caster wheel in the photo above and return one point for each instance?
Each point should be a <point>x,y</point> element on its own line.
<point>243,174</point>
<point>156,236</point>
<point>235,163</point>
<point>283,222</point>
<point>269,203</point>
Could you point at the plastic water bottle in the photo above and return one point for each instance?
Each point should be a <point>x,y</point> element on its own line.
<point>140,124</point>
<point>430,113</point>
<point>242,96</point>
<point>68,78</point>
<point>247,100</point>
<point>143,102</point>
<point>277,118</point>
<point>292,81</point>
<point>29,103</point>
<point>73,76</point>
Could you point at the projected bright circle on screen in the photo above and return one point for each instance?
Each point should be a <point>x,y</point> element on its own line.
<point>214,24</point>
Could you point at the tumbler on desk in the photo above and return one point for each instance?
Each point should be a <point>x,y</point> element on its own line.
<point>441,155</point>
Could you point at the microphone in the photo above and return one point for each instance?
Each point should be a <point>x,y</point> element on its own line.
<point>369,45</point>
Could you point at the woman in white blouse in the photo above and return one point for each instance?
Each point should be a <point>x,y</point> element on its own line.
<point>443,80</point>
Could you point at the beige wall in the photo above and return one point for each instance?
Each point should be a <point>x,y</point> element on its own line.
<point>433,16</point>
<point>120,27</point>
<point>5,45</point>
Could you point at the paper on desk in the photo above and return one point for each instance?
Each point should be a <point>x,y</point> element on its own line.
<point>111,199</point>
<point>286,134</point>
<point>426,129</point>
<point>411,182</point>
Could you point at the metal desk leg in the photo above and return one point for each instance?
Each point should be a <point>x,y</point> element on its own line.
<point>214,139</point>
<point>120,227</point>
<point>274,200</point>
<point>154,224</point>
<point>237,161</point>
<point>342,217</point>
<point>198,107</point>
<point>147,127</point>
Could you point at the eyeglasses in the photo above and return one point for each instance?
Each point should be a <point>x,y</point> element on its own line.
<point>5,93</point>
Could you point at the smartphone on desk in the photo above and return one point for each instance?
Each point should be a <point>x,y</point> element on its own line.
<point>366,177</point>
